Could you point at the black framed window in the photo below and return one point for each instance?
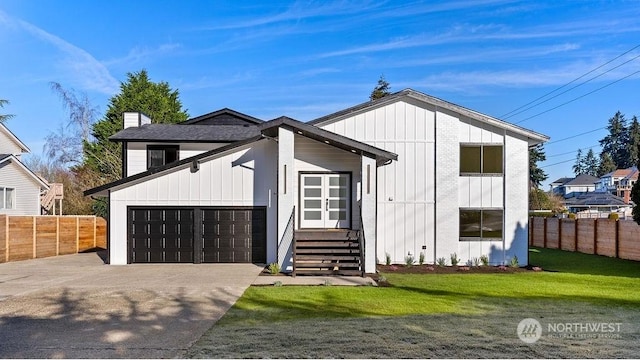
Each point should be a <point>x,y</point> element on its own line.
<point>480,159</point>
<point>159,155</point>
<point>481,224</point>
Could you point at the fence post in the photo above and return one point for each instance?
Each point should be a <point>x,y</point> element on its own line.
<point>575,237</point>
<point>57,235</point>
<point>33,237</point>
<point>560,234</point>
<point>77,234</point>
<point>617,238</point>
<point>6,237</point>
<point>95,232</point>
<point>544,238</point>
<point>595,237</point>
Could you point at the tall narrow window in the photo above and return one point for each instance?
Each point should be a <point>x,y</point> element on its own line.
<point>160,155</point>
<point>480,159</point>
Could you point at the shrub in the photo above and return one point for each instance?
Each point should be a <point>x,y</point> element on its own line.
<point>387,259</point>
<point>277,283</point>
<point>476,261</point>
<point>454,259</point>
<point>572,216</point>
<point>441,262</point>
<point>514,262</point>
<point>484,260</point>
<point>409,260</point>
<point>421,260</point>
<point>274,268</point>
<point>614,216</point>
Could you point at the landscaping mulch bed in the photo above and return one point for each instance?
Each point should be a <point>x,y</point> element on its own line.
<point>433,269</point>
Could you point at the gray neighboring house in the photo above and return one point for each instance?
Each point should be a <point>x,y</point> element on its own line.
<point>572,187</point>
<point>20,188</point>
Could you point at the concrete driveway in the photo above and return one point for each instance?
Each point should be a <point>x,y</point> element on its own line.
<point>74,306</point>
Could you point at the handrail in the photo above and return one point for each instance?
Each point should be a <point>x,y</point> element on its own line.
<point>361,240</point>
<point>287,240</point>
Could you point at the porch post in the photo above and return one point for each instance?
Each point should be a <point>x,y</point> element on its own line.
<point>369,205</point>
<point>286,186</point>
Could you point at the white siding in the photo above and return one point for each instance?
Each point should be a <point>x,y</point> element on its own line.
<point>314,156</point>
<point>27,191</point>
<point>406,188</point>
<point>137,153</point>
<point>8,146</point>
<point>243,177</point>
<point>516,216</point>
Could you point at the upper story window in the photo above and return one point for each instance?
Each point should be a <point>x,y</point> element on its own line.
<point>7,197</point>
<point>480,159</point>
<point>159,155</point>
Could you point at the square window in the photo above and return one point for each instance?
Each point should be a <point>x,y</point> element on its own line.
<point>470,159</point>
<point>492,160</point>
<point>160,155</point>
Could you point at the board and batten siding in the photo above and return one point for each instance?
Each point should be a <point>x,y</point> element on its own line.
<point>405,188</point>
<point>27,191</point>
<point>245,176</point>
<point>137,153</point>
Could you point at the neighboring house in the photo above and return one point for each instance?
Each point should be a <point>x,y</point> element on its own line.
<point>572,187</point>
<point>598,204</point>
<point>402,175</point>
<point>609,182</point>
<point>623,189</point>
<point>20,188</point>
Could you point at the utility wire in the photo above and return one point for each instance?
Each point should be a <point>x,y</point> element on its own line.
<point>575,136</point>
<point>507,115</point>
<point>573,87</point>
<point>571,152</point>
<point>578,98</point>
<point>558,163</point>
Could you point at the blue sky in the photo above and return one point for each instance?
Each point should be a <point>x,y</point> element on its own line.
<point>308,59</point>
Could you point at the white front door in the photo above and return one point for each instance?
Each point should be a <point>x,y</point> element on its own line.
<point>325,201</point>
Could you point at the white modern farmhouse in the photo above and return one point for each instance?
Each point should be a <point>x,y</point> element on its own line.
<point>399,176</point>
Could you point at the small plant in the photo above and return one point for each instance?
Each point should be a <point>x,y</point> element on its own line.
<point>476,262</point>
<point>387,258</point>
<point>441,262</point>
<point>421,260</point>
<point>454,259</point>
<point>469,263</point>
<point>382,279</point>
<point>614,216</point>
<point>277,283</point>
<point>409,260</point>
<point>274,268</point>
<point>484,260</point>
<point>514,262</point>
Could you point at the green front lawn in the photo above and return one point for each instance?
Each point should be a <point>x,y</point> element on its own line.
<point>438,315</point>
<point>568,276</point>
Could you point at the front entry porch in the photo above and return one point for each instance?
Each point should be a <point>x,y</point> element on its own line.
<point>327,252</point>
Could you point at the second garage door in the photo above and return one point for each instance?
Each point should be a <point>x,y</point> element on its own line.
<point>211,235</point>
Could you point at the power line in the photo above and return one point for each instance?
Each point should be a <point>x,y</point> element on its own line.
<point>571,152</point>
<point>569,83</point>
<point>558,163</point>
<point>576,135</point>
<point>573,87</point>
<point>579,97</point>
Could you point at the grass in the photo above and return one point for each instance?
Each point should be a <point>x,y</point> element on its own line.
<point>471,310</point>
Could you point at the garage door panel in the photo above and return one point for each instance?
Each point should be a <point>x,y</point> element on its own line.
<point>161,235</point>
<point>228,235</point>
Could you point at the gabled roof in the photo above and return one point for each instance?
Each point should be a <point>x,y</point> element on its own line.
<point>224,116</point>
<point>183,133</point>
<point>266,129</point>
<point>534,137</point>
<point>14,138</point>
<point>583,180</point>
<point>619,173</point>
<point>313,132</point>
<point>633,175</point>
<point>562,181</point>
<point>14,160</point>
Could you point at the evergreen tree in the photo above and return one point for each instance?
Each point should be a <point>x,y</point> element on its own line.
<point>5,117</point>
<point>590,163</point>
<point>633,142</point>
<point>536,174</point>
<point>616,142</point>
<point>606,164</point>
<point>381,90</point>
<point>578,167</point>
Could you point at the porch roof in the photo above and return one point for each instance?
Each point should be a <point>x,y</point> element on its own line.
<point>270,129</point>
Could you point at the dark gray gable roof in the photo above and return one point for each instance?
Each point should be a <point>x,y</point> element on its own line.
<point>184,133</point>
<point>562,180</point>
<point>159,169</point>
<point>582,179</point>
<point>534,136</point>
<point>270,128</point>
<point>223,117</point>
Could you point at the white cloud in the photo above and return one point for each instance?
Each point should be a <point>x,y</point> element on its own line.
<point>82,67</point>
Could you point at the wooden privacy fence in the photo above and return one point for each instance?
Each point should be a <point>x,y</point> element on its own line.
<point>616,238</point>
<point>30,237</point>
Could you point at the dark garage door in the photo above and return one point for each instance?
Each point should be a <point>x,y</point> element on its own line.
<point>160,235</point>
